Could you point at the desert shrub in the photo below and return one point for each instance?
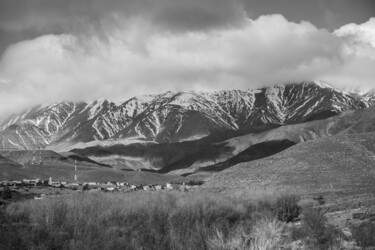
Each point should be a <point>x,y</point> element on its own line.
<point>6,194</point>
<point>10,235</point>
<point>143,220</point>
<point>316,231</point>
<point>195,182</point>
<point>296,233</point>
<point>320,199</point>
<point>364,234</point>
<point>314,222</point>
<point>238,240</point>
<point>18,212</point>
<point>164,220</point>
<point>265,234</point>
<point>287,208</point>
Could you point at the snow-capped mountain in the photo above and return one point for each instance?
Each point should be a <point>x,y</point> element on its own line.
<point>367,94</point>
<point>171,117</point>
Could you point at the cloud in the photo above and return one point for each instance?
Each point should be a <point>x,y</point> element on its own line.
<point>32,18</point>
<point>134,60</point>
<point>358,55</point>
<point>358,33</point>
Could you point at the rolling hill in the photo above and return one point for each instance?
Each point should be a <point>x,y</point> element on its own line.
<point>63,169</point>
<point>342,164</point>
<point>38,157</point>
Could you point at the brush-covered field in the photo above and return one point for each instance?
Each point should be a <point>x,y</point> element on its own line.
<point>168,220</point>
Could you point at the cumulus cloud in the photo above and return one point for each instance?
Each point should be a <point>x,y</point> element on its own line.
<point>358,55</point>
<point>134,60</point>
<point>358,34</point>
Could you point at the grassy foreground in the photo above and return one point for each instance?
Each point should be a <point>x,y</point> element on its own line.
<point>162,220</point>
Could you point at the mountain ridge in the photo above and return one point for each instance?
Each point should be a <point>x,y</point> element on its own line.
<point>174,117</point>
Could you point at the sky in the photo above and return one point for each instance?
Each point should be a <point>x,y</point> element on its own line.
<point>74,50</point>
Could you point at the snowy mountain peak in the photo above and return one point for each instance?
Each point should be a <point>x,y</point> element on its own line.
<point>324,84</point>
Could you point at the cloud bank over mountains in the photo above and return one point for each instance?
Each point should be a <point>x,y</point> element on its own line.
<point>118,49</point>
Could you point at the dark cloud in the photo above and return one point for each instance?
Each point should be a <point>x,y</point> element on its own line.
<point>28,19</point>
<point>20,19</point>
<point>199,15</point>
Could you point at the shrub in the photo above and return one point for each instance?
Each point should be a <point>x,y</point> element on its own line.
<point>195,182</point>
<point>364,234</point>
<point>265,234</point>
<point>159,220</point>
<point>296,233</point>
<point>239,241</point>
<point>11,236</point>
<point>287,208</point>
<point>163,220</point>
<point>320,199</point>
<point>317,231</point>
<point>314,222</point>
<point>6,194</point>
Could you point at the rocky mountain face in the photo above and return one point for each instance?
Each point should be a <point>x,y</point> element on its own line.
<point>174,117</point>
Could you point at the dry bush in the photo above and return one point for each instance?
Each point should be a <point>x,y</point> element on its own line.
<point>164,220</point>
<point>316,232</point>
<point>266,234</point>
<point>273,201</point>
<point>287,208</point>
<point>364,234</point>
<point>238,240</point>
<point>6,193</point>
<point>10,235</point>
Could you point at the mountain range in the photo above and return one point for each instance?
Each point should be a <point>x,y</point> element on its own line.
<point>190,134</point>
<point>174,117</point>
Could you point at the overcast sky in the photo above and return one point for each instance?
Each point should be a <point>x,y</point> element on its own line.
<point>53,50</point>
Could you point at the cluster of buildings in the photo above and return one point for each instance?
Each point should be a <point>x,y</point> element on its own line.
<point>95,186</point>
<point>127,187</point>
<point>34,183</point>
<point>24,183</point>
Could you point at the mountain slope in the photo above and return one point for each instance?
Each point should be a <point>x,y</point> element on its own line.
<point>219,151</point>
<point>348,122</point>
<point>254,152</point>
<point>339,164</point>
<point>174,117</point>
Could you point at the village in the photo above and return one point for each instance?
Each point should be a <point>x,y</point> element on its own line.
<point>90,187</point>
